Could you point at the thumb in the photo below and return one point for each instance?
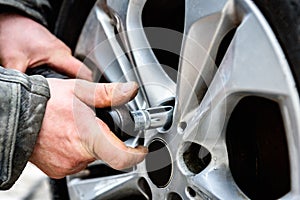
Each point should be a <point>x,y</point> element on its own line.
<point>103,95</point>
<point>114,152</point>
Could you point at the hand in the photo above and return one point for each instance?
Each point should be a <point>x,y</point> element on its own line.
<point>72,136</point>
<point>25,43</point>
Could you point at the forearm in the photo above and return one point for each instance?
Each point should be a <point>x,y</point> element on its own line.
<point>22,106</point>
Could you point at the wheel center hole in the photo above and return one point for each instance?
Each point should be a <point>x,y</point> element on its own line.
<point>159,163</point>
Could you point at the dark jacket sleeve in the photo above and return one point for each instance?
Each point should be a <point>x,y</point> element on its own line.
<point>22,106</point>
<point>39,10</point>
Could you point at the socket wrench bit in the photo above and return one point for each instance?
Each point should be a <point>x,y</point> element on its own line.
<point>157,117</point>
<point>130,125</point>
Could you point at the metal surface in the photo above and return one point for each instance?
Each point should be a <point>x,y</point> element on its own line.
<point>123,122</point>
<point>156,117</point>
<point>108,55</point>
<point>205,95</point>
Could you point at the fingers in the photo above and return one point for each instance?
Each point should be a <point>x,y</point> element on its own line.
<point>114,152</point>
<point>71,134</point>
<point>99,142</point>
<point>60,60</point>
<point>105,95</point>
<point>25,43</point>
<point>63,61</point>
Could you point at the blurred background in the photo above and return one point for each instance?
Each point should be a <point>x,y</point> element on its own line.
<point>32,185</point>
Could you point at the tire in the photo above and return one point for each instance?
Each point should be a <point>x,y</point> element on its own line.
<point>236,126</point>
<point>286,26</point>
<point>70,20</point>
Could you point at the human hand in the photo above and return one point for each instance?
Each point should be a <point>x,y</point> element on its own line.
<point>72,136</point>
<point>25,44</point>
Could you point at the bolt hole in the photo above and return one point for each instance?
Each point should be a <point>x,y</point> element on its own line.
<point>159,163</point>
<point>174,196</point>
<point>181,127</point>
<point>143,184</point>
<point>191,192</point>
<point>196,157</point>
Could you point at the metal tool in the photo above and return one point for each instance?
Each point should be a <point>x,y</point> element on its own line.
<point>130,125</point>
<point>157,117</point>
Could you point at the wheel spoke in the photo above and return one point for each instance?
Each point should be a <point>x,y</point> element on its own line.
<point>234,78</point>
<point>108,187</point>
<point>272,81</point>
<point>197,9</point>
<point>157,84</point>
<point>101,47</point>
<point>244,72</point>
<point>98,42</point>
<point>127,18</point>
<point>216,183</point>
<point>204,32</point>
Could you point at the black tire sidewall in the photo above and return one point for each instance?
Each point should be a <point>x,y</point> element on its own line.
<point>284,18</point>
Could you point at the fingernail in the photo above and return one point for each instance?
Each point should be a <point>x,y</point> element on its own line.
<point>128,87</point>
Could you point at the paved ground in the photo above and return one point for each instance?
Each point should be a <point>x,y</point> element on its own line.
<point>32,185</point>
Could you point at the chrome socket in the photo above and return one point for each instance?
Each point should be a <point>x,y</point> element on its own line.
<point>151,118</point>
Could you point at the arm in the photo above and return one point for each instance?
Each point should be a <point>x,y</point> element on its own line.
<point>22,106</point>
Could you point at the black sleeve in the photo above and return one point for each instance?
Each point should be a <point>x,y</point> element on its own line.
<point>39,10</point>
<point>23,102</point>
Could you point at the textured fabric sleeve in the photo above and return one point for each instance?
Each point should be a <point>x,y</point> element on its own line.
<point>39,10</point>
<point>22,106</point>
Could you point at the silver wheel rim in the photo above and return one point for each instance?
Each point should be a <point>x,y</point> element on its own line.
<point>253,65</point>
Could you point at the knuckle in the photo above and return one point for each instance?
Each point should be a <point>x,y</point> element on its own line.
<point>107,92</point>
<point>120,164</point>
<point>105,95</point>
<point>68,167</point>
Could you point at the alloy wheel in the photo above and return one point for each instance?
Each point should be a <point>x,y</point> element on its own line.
<point>236,121</point>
